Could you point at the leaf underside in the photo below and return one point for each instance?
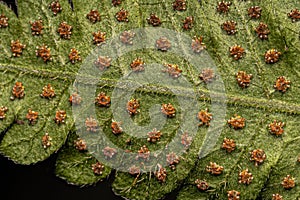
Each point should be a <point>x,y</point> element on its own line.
<point>259,103</point>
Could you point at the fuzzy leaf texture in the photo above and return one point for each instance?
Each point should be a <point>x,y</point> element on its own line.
<point>259,103</point>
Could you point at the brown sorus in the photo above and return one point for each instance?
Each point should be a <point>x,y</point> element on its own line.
<point>163,44</point>
<point>276,127</point>
<point>80,144</point>
<point>43,52</point>
<point>204,117</point>
<point>179,5</point>
<point>64,30</point>
<point>91,124</point>
<point>55,7</point>
<point>133,106</point>
<point>19,122</point>
<point>102,99</point>
<point>197,44</point>
<point>233,195</point>
<point>288,182</point>
<point>137,65</point>
<point>228,145</point>
<point>258,156</point>
<point>48,92</point>
<point>32,116</point>
<point>109,152</point>
<point>207,75</point>
<point>154,136</point>
<point>122,15</point>
<point>99,38</point>
<point>202,185</point>
<point>223,7</point>
<point>245,177</point>
<point>188,23</point>
<point>75,99</point>
<point>214,168</point>
<point>74,55</point>
<point>98,168</point>
<point>277,197</point>
<point>3,111</point>
<point>262,31</point>
<point>237,52</point>
<point>134,170</point>
<point>94,16</point>
<point>126,37</point>
<point>172,160</point>
<point>282,84</point>
<point>3,21</point>
<point>294,15</point>
<point>237,122</point>
<point>254,12</point>
<point>168,110</point>
<point>272,56</point>
<point>103,62</point>
<point>186,140</point>
<point>229,27</point>
<point>143,153</point>
<point>243,79</point>
<point>37,27</point>
<point>161,173</point>
<point>46,141</point>
<point>60,117</point>
<point>153,20</point>
<point>173,70</point>
<point>116,128</point>
<point>16,48</point>
<point>116,2</point>
<point>18,91</point>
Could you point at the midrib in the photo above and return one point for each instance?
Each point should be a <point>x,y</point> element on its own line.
<point>271,105</point>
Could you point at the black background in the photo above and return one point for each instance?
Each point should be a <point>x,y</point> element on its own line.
<point>39,182</point>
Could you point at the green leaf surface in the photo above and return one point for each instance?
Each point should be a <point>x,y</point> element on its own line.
<point>23,141</point>
<point>75,166</point>
<point>255,135</point>
<point>260,104</point>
